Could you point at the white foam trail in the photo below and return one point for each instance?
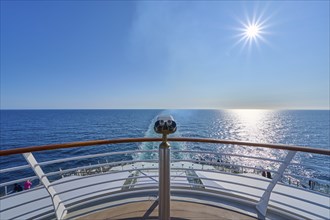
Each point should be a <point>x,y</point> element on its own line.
<point>154,145</point>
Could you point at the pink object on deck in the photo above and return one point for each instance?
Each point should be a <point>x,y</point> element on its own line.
<point>27,184</point>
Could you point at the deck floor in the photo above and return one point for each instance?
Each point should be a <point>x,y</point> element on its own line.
<point>179,210</point>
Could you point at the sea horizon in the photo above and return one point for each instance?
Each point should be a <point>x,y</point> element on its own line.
<point>270,109</point>
<point>32,127</point>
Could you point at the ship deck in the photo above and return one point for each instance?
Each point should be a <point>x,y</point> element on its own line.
<point>198,188</point>
<point>180,210</point>
<point>96,197</point>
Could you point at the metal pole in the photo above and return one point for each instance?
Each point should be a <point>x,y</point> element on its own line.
<point>59,208</point>
<point>263,202</point>
<point>164,196</point>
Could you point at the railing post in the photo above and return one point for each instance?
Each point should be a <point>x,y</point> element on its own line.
<point>264,200</point>
<point>59,207</point>
<point>164,125</point>
<point>164,181</point>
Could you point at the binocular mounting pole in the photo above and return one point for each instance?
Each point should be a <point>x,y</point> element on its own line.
<point>164,196</point>
<point>164,125</point>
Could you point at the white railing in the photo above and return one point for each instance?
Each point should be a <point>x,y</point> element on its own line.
<point>259,195</point>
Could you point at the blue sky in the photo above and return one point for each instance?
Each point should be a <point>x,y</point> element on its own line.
<point>130,54</point>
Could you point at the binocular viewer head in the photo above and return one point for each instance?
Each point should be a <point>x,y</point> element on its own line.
<point>165,125</point>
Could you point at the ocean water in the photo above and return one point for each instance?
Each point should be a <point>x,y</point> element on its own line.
<point>23,128</point>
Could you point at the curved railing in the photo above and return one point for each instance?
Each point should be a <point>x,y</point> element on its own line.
<point>178,139</point>
<point>194,174</point>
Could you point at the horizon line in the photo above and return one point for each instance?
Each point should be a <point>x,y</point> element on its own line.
<point>273,109</point>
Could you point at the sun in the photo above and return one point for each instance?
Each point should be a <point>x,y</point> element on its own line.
<point>252,31</point>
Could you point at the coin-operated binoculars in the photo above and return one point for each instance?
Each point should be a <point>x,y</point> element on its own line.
<point>164,125</point>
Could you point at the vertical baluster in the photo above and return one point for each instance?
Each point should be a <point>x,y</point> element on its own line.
<point>59,207</point>
<point>263,202</point>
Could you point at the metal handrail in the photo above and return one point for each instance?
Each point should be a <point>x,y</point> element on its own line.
<point>300,209</point>
<point>224,164</point>
<point>75,144</point>
<point>217,189</point>
<point>11,169</point>
<point>19,180</point>
<point>96,155</point>
<point>224,154</point>
<point>261,205</point>
<point>178,139</point>
<point>299,176</point>
<point>310,166</point>
<point>97,166</point>
<point>124,152</point>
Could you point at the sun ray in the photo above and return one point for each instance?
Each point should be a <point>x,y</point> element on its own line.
<point>253,30</point>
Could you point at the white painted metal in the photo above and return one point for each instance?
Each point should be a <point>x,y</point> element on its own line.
<point>59,207</point>
<point>96,155</point>
<point>11,169</point>
<point>89,188</point>
<point>310,166</point>
<point>98,166</point>
<point>263,202</point>
<point>304,177</point>
<point>214,190</point>
<point>224,154</point>
<point>18,181</point>
<point>269,191</point>
<point>222,164</point>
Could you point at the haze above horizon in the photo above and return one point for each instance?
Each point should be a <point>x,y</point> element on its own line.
<point>164,55</point>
